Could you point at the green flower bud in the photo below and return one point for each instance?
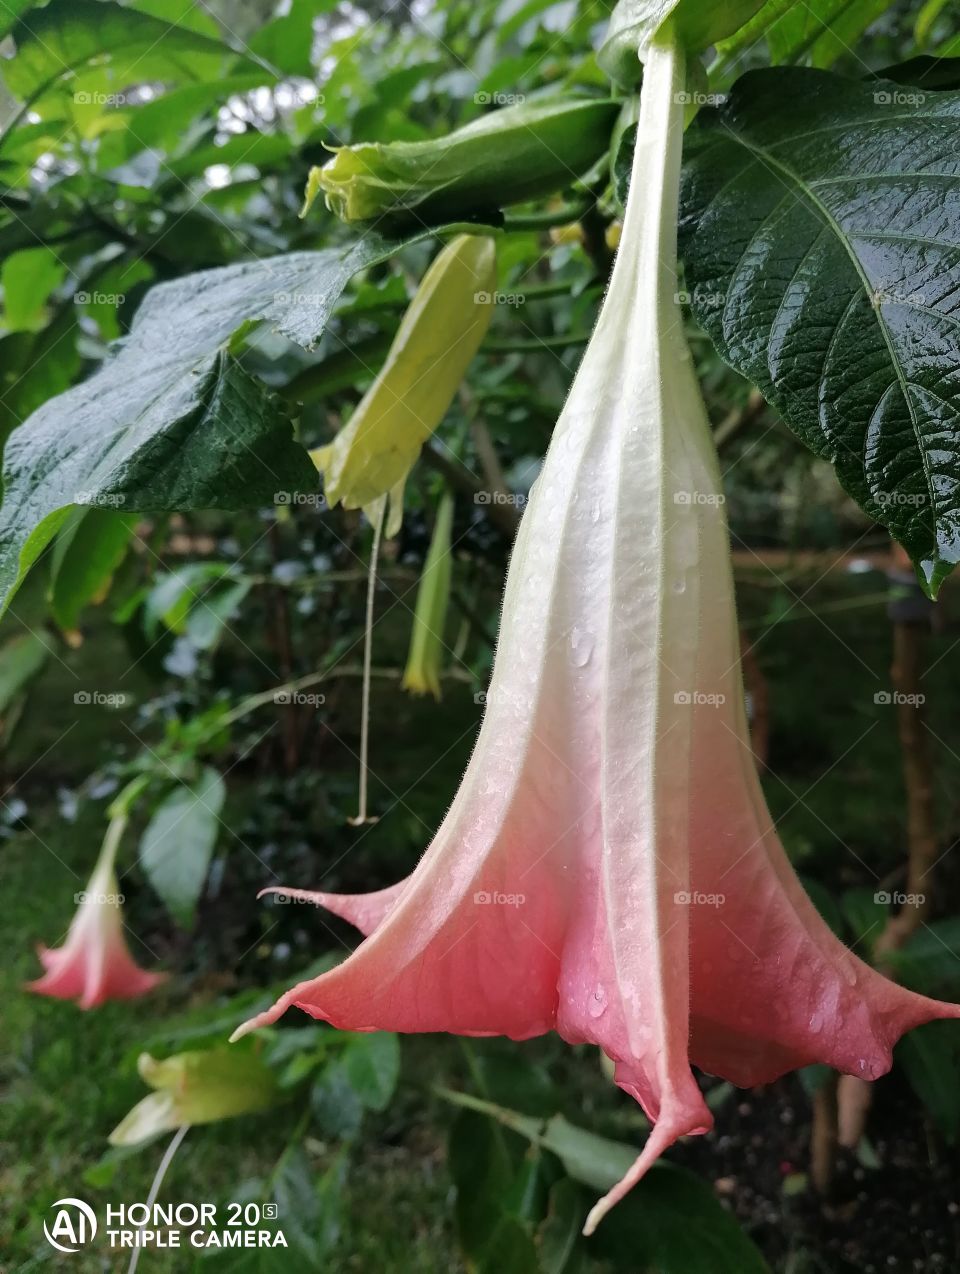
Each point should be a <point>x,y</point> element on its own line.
<point>425,662</point>
<point>504,157</point>
<point>200,1087</point>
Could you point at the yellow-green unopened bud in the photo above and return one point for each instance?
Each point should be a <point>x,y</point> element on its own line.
<point>504,157</point>
<point>425,661</point>
<point>439,335</point>
<point>201,1087</point>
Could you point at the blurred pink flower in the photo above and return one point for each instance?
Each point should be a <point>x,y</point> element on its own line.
<point>608,868</point>
<point>94,964</point>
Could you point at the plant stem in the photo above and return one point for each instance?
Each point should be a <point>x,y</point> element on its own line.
<point>151,1199</point>
<point>381,509</point>
<point>547,219</point>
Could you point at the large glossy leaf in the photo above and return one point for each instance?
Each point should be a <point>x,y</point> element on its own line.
<point>172,421</point>
<point>820,230</point>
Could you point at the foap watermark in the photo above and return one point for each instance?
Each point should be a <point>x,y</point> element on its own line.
<point>699,497</point>
<point>890,296</point>
<point>516,498</point>
<point>310,700</point>
<point>696,898</point>
<point>494,898</point>
<point>100,499</point>
<point>516,299</point>
<point>898,697</point>
<point>897,97</point>
<point>99,699</point>
<point>497,98</point>
<point>74,1226</point>
<point>83,98</point>
<point>909,499</point>
<point>886,898</point>
<point>701,297</point>
<point>686,98</point>
<point>114,299</point>
<point>300,298</point>
<point>699,697</point>
<point>100,900</point>
<point>313,499</point>
<point>492,696</point>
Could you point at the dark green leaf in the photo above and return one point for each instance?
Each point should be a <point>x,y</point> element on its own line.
<point>335,1103</point>
<point>493,1238</point>
<point>172,421</point>
<point>560,1248</point>
<point>930,961</point>
<point>372,1065</point>
<point>930,1056</point>
<point>924,72</point>
<point>595,1161</point>
<point>178,841</point>
<point>820,231</point>
<point>672,1223</point>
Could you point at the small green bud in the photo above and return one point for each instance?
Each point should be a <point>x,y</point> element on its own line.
<point>425,662</point>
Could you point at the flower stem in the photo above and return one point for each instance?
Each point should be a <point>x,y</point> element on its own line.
<point>379,514</point>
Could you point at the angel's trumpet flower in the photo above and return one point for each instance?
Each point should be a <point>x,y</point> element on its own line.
<point>94,964</point>
<point>608,868</point>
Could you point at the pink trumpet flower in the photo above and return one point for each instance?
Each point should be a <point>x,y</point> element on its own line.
<point>608,868</point>
<point>94,964</point>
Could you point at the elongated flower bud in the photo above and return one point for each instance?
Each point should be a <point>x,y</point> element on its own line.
<point>608,868</point>
<point>504,157</point>
<point>425,662</point>
<point>435,342</point>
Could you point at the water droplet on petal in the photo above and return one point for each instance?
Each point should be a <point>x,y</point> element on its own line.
<point>597,1003</point>
<point>581,646</point>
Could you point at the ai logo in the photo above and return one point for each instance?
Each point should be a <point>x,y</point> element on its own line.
<point>75,1223</point>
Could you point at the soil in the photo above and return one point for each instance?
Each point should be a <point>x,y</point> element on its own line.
<point>893,1207</point>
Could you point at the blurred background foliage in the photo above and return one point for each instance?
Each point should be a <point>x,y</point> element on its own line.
<point>148,141</point>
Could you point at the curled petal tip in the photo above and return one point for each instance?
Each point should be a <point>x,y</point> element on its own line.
<point>665,1132</point>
